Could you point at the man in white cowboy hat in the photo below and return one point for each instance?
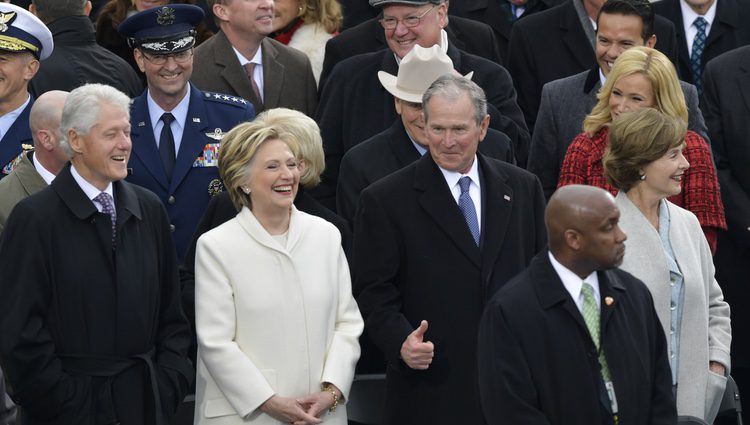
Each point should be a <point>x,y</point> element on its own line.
<point>432,243</point>
<point>405,141</point>
<point>354,106</point>
<point>24,41</point>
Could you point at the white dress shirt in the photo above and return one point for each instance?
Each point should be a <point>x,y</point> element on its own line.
<point>257,71</point>
<point>688,17</point>
<point>475,191</point>
<point>89,189</point>
<point>573,283</point>
<point>178,125</point>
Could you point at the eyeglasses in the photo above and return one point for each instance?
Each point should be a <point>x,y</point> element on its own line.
<point>180,57</point>
<point>409,22</point>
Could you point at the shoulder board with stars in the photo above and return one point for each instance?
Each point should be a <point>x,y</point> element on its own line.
<point>225,98</point>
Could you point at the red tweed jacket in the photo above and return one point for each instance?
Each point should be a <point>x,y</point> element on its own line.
<point>700,188</point>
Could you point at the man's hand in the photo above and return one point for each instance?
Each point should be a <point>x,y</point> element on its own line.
<point>416,353</point>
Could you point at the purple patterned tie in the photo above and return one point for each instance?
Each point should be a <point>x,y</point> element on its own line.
<point>108,207</point>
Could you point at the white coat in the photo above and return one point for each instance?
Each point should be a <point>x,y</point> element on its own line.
<point>705,333</point>
<point>271,320</point>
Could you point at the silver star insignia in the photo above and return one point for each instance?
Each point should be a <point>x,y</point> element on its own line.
<point>217,95</point>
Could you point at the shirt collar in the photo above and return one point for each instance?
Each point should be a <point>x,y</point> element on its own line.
<point>43,172</point>
<point>87,188</point>
<point>573,283</point>
<point>257,59</point>
<point>179,112</point>
<point>7,120</point>
<point>689,15</point>
<point>452,177</point>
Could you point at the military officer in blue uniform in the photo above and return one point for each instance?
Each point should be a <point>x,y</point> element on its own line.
<point>176,129</point>
<point>24,41</point>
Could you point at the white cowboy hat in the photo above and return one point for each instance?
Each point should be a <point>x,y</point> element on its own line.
<point>418,70</point>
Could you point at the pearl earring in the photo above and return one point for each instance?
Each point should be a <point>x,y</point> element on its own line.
<point>246,190</point>
<point>643,176</point>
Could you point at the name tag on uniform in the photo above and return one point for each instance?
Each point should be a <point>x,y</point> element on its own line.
<point>209,157</point>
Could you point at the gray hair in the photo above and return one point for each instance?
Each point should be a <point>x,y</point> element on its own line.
<point>49,10</point>
<point>81,106</point>
<point>451,87</point>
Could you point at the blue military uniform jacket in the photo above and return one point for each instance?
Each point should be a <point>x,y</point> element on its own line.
<point>11,144</point>
<point>195,177</point>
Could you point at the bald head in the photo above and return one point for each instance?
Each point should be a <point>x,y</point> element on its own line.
<point>582,228</point>
<point>44,121</point>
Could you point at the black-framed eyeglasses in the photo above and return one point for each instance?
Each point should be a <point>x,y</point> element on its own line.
<point>409,22</point>
<point>179,57</point>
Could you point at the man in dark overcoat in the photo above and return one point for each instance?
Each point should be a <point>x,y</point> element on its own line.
<point>432,243</point>
<point>573,340</point>
<point>92,327</point>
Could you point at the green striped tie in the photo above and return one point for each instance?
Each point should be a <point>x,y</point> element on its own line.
<point>591,317</point>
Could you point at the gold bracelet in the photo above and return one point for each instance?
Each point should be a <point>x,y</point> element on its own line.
<point>329,388</point>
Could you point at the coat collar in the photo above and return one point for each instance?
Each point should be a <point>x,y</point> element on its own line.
<point>255,230</point>
<point>126,200</point>
<point>743,77</point>
<point>232,72</point>
<point>400,144</point>
<point>72,30</point>
<point>551,293</point>
<point>27,175</point>
<point>574,36</point>
<point>592,80</point>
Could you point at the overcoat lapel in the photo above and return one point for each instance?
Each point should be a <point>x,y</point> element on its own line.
<point>233,73</point>
<point>438,203</point>
<point>744,81</point>
<point>273,75</point>
<point>574,37</point>
<point>390,66</point>
<point>399,143</point>
<point>497,205</point>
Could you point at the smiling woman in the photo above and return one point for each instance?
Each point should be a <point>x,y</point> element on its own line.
<point>664,249</point>
<point>644,78</point>
<point>276,322</point>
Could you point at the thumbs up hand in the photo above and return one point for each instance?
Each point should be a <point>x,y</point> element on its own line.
<point>415,352</point>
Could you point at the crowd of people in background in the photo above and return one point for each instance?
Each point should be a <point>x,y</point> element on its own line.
<point>515,211</point>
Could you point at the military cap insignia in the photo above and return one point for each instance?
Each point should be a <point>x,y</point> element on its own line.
<point>216,134</point>
<point>215,187</point>
<point>5,20</point>
<point>165,16</point>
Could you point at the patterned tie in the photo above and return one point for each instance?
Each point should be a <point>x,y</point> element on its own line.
<point>108,207</point>
<point>250,68</point>
<point>591,317</point>
<point>467,207</point>
<point>699,43</point>
<point>166,145</point>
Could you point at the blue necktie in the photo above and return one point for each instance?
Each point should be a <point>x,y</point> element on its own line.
<point>466,205</point>
<point>699,43</point>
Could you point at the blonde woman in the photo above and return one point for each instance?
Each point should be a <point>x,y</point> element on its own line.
<point>276,321</point>
<point>644,78</point>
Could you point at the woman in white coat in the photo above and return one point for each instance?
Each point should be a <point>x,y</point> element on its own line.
<point>667,250</point>
<point>276,321</point>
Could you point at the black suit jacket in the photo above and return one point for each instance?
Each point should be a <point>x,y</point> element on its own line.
<point>729,30</point>
<point>465,34</point>
<point>494,14</point>
<point>726,97</point>
<point>539,365</point>
<point>354,106</point>
<point>415,259</point>
<point>552,44</point>
<point>389,151</point>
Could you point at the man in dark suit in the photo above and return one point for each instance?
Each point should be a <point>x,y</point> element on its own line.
<point>500,14</point>
<point>467,35</point>
<point>566,102</point>
<point>573,340</point>
<point>354,106</point>
<point>242,61</point>
<point>726,105</point>
<point>176,127</point>
<point>356,12</point>
<point>26,41</point>
<point>95,331</point>
<point>432,243</point>
<point>405,141</point>
<point>77,59</point>
<point>726,28</point>
<point>558,43</point>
